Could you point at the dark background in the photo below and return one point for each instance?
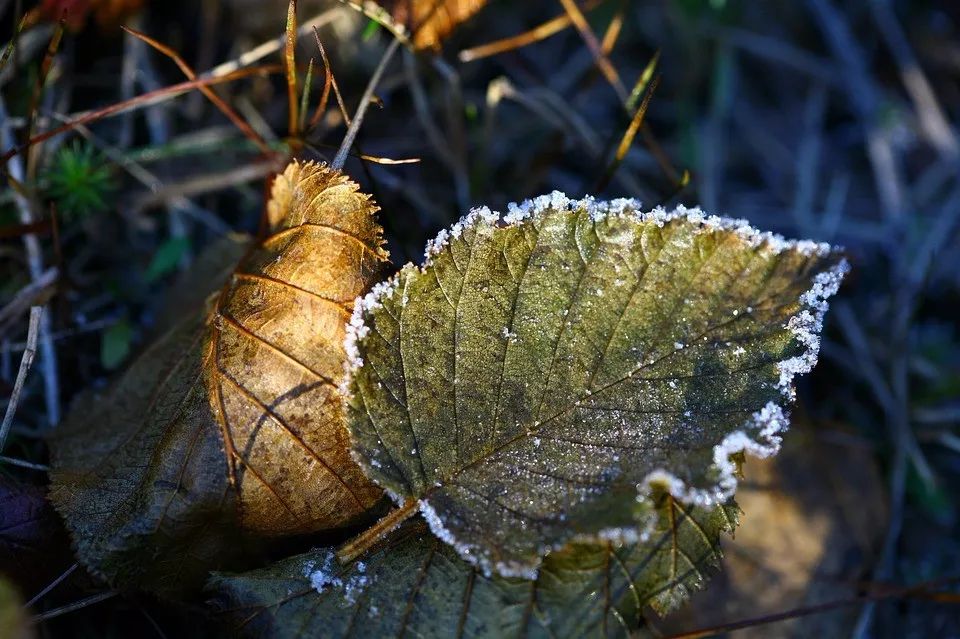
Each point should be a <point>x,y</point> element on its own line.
<point>828,119</point>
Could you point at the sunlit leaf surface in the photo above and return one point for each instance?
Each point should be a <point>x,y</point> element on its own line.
<point>539,373</point>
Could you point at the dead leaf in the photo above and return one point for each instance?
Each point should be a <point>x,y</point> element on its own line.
<point>812,529</point>
<point>33,544</point>
<point>430,21</point>
<point>232,419</point>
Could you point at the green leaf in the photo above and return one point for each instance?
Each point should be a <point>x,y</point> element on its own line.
<point>532,381</point>
<point>415,585</point>
<point>115,344</point>
<point>167,257</point>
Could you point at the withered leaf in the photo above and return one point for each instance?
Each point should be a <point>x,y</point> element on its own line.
<point>34,547</point>
<point>539,374</point>
<point>430,21</point>
<point>230,425</point>
<point>415,585</point>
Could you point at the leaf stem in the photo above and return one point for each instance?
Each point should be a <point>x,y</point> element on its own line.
<point>365,540</point>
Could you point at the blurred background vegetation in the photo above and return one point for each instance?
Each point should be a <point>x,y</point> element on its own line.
<point>829,119</point>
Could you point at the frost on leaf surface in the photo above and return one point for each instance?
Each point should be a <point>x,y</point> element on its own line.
<point>230,425</point>
<point>530,382</point>
<point>415,585</point>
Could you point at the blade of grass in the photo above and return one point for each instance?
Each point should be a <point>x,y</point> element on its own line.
<point>305,97</point>
<point>290,58</point>
<point>48,56</point>
<point>627,141</point>
<point>8,51</point>
<point>613,29</point>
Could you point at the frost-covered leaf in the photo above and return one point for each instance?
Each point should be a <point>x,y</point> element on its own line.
<point>231,424</point>
<point>415,585</point>
<point>531,381</point>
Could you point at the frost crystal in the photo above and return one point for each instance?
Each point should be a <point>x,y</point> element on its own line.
<point>325,577</point>
<point>807,324</point>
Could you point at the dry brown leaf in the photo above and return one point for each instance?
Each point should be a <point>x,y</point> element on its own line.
<point>430,21</point>
<point>811,531</point>
<point>232,419</point>
<point>276,355</point>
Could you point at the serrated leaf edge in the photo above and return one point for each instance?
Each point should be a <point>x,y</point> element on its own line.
<point>760,436</point>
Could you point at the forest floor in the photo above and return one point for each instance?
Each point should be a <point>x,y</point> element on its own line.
<point>836,121</point>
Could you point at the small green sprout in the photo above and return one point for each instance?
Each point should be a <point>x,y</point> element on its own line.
<point>79,180</point>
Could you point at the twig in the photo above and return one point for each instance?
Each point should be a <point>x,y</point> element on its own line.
<point>78,605</point>
<point>919,590</point>
<point>25,362</point>
<point>225,108</point>
<point>13,461</point>
<point>53,584</point>
<point>31,244</point>
<point>206,183</point>
<point>272,46</point>
<point>600,58</point>
<point>145,100</point>
<point>351,135</point>
<point>33,294</point>
<point>540,32</point>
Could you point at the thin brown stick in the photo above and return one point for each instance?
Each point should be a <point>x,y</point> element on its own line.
<point>920,590</point>
<point>146,99</point>
<point>53,584</point>
<point>8,51</point>
<point>333,80</point>
<point>340,159</point>
<point>538,33</point>
<point>327,83</point>
<point>36,293</point>
<point>600,58</point>
<point>33,331</point>
<point>210,94</point>
<point>77,605</point>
